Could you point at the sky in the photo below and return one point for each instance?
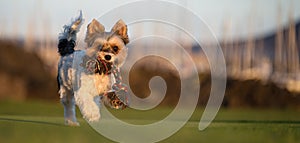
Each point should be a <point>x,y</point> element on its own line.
<point>19,18</point>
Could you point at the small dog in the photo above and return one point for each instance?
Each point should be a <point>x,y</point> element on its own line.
<point>84,76</point>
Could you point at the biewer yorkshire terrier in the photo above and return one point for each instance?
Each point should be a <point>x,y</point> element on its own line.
<point>89,77</point>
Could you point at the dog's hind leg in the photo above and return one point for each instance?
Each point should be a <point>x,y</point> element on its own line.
<point>68,101</point>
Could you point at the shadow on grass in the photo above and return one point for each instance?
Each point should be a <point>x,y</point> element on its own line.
<point>30,121</point>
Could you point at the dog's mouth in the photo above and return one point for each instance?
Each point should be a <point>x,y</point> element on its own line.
<point>103,66</point>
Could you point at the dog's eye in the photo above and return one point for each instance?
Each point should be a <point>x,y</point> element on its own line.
<point>115,48</point>
<point>100,47</point>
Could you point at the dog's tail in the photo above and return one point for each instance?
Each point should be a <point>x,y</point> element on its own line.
<point>67,38</point>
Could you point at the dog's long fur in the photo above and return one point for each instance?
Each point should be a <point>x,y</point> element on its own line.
<point>76,85</point>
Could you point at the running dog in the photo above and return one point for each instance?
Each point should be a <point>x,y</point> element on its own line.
<point>85,76</point>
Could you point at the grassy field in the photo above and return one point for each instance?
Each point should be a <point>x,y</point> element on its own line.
<point>42,122</point>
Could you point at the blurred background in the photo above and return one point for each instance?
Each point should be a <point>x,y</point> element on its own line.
<point>260,41</point>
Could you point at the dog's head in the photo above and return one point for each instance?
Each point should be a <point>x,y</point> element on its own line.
<point>108,47</point>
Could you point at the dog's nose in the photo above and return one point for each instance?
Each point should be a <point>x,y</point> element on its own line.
<point>107,57</point>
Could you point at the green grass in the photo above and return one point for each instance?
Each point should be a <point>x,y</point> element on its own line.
<point>42,122</point>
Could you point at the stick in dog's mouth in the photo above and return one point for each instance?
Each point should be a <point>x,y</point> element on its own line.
<point>103,66</point>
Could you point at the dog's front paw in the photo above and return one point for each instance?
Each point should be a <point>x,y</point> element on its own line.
<point>92,117</point>
<point>71,123</point>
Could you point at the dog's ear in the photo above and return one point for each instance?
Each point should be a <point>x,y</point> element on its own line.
<point>120,28</point>
<point>93,28</point>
